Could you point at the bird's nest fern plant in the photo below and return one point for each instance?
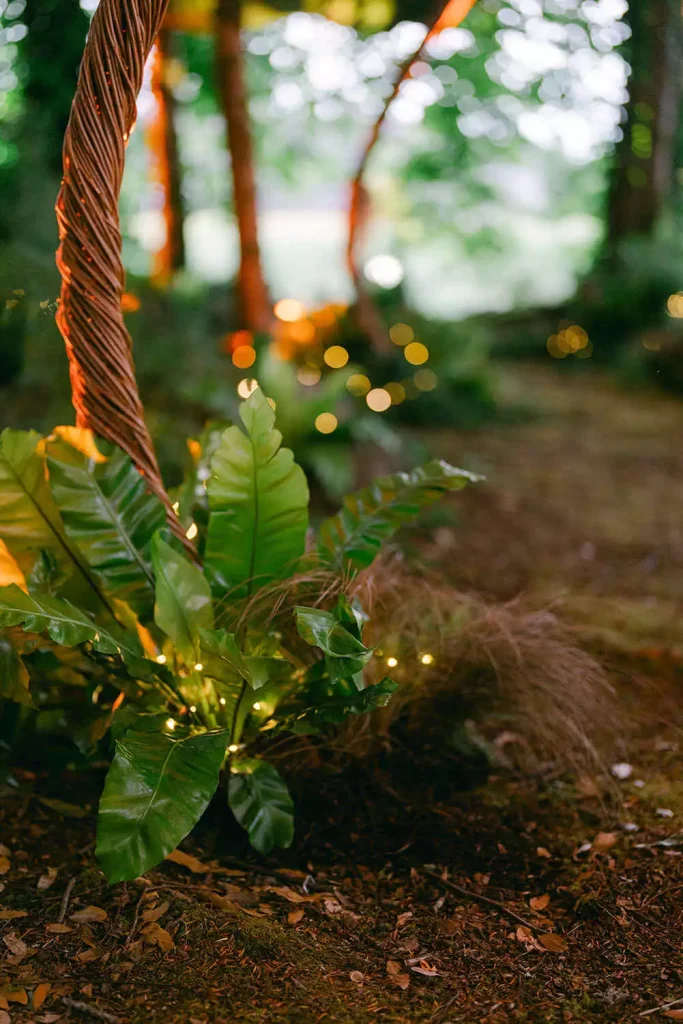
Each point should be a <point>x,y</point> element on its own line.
<point>193,665</point>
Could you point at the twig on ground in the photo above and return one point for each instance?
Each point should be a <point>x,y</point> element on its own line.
<point>92,1011</point>
<point>658,1009</point>
<point>483,899</point>
<point>65,900</point>
<point>136,917</point>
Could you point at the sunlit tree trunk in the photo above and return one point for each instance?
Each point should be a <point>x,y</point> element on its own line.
<point>163,141</point>
<point>252,291</point>
<point>644,171</point>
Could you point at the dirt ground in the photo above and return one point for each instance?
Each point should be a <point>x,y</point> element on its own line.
<point>554,899</point>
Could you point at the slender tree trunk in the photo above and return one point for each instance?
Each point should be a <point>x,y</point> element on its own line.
<point>444,14</point>
<point>644,171</point>
<point>163,141</point>
<point>254,300</point>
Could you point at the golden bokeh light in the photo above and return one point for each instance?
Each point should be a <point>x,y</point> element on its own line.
<point>358,384</point>
<point>397,392</point>
<point>246,386</point>
<point>554,349</point>
<point>416,353</point>
<point>336,357</point>
<point>378,399</point>
<point>192,531</point>
<point>308,375</point>
<point>674,305</point>
<point>301,331</point>
<point>568,341</point>
<point>326,422</point>
<point>392,662</point>
<point>425,380</point>
<point>129,303</point>
<point>289,310</point>
<point>243,357</point>
<point>401,334</point>
<point>324,317</point>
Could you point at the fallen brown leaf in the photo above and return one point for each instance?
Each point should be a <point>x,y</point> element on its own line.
<point>58,929</point>
<point>356,977</point>
<point>425,968</point>
<point>88,914</point>
<point>62,807</point>
<point>5,1017</point>
<point>40,994</point>
<point>4,865</point>
<point>539,902</point>
<point>524,934</point>
<point>393,967</point>
<point>402,980</point>
<point>294,916</point>
<point>88,955</point>
<point>542,851</point>
<point>10,915</point>
<point>16,995</point>
<point>403,918</point>
<point>15,944</point>
<point>603,842</point>
<point>154,913</point>
<point>553,943</point>
<point>674,1014</point>
<point>154,935</point>
<point>45,881</point>
<point>186,860</point>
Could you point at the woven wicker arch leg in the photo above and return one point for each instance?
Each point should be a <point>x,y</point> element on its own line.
<point>104,390</point>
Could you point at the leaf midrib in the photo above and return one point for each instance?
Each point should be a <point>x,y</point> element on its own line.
<point>69,553</point>
<point>122,533</point>
<point>174,745</point>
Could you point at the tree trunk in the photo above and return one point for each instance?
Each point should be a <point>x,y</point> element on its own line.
<point>164,145</point>
<point>644,172</point>
<point>254,301</point>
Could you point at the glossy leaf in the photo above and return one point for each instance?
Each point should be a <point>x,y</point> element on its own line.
<point>13,674</point>
<point>183,599</point>
<point>29,519</point>
<point>62,621</point>
<point>335,707</point>
<point>258,498</point>
<point>262,804</point>
<point>221,644</point>
<point>353,537</point>
<point>345,653</point>
<point>110,514</point>
<point>156,790</point>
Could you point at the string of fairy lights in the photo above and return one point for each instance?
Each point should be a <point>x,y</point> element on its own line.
<point>307,337</point>
<point>265,710</point>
